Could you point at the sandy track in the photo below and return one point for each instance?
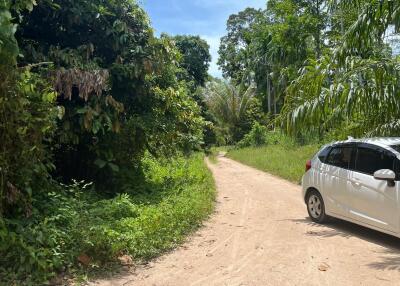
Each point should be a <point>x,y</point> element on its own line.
<point>260,235</point>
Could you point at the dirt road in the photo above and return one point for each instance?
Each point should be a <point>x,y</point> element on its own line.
<point>260,235</point>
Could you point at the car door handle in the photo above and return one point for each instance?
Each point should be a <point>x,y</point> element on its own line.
<point>355,182</point>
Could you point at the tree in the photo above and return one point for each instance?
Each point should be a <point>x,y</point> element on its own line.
<point>27,121</point>
<point>196,57</point>
<point>233,48</point>
<point>356,90</point>
<point>315,17</point>
<point>194,62</point>
<point>288,34</point>
<point>235,110</point>
<point>116,83</point>
<point>268,47</point>
<point>92,92</point>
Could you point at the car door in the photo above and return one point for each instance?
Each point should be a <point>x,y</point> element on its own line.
<point>374,201</point>
<point>336,176</point>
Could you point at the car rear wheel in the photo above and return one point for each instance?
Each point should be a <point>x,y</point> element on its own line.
<point>316,207</point>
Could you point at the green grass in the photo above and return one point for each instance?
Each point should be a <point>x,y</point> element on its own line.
<point>154,213</point>
<point>186,197</point>
<point>287,162</point>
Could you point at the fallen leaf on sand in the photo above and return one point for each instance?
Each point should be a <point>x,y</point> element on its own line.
<point>323,267</point>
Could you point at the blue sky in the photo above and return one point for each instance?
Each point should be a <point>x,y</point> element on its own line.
<point>206,18</point>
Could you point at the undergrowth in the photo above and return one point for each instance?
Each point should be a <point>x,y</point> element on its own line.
<point>287,162</point>
<point>275,152</point>
<point>73,228</point>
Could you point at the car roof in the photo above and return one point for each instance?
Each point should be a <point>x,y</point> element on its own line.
<point>385,142</point>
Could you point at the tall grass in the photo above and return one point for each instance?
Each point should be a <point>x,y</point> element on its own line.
<point>286,160</point>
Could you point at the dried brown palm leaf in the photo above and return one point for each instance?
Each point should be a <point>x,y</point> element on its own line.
<point>87,82</point>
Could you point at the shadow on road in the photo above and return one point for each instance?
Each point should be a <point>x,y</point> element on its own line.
<point>390,256</point>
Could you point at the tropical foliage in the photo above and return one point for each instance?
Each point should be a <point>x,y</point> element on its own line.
<point>90,99</point>
<point>115,81</point>
<point>321,68</point>
<point>196,58</point>
<point>74,231</point>
<point>233,55</point>
<point>92,102</point>
<point>256,137</point>
<point>355,88</point>
<point>235,110</point>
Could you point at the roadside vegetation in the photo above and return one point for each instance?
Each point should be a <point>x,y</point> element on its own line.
<point>306,73</point>
<point>101,138</point>
<point>275,153</point>
<point>75,225</point>
<point>312,69</point>
<point>287,162</point>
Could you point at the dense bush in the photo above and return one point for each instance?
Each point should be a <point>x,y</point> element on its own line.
<point>32,249</point>
<point>259,136</point>
<point>256,137</point>
<point>92,92</point>
<point>27,123</point>
<point>117,83</point>
<point>69,222</point>
<point>110,81</point>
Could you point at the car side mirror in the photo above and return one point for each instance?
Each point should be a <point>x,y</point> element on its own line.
<point>385,175</point>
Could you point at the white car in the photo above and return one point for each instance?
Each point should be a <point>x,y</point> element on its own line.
<point>358,181</point>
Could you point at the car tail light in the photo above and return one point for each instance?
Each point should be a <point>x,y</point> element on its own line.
<point>308,165</point>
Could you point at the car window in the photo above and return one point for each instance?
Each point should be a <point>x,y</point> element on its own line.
<point>396,147</point>
<point>340,157</point>
<point>323,154</point>
<point>371,160</point>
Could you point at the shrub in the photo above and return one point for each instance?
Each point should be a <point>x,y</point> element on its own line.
<point>259,136</point>
<point>165,201</point>
<point>28,119</point>
<point>175,196</point>
<point>279,138</point>
<point>256,137</point>
<point>34,248</point>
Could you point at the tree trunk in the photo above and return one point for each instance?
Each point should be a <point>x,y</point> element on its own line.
<point>318,33</point>
<point>269,94</point>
